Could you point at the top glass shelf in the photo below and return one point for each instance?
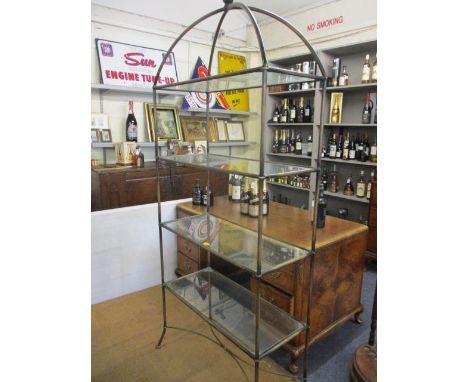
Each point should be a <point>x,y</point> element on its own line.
<point>240,166</point>
<point>243,79</point>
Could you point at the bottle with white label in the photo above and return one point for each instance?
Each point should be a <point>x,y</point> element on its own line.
<point>344,77</point>
<point>373,152</point>
<point>308,113</point>
<point>352,149</point>
<point>361,186</point>
<point>266,201</point>
<point>298,144</point>
<point>332,150</point>
<point>236,189</point>
<point>254,200</point>
<point>369,185</point>
<point>309,146</point>
<point>374,70</point>
<point>245,197</point>
<point>366,71</point>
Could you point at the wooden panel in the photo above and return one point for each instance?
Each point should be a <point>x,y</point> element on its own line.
<point>188,249</point>
<point>373,216</point>
<point>349,279</point>
<point>372,240</point>
<point>185,264</point>
<point>143,190</point>
<point>113,192</point>
<point>323,289</point>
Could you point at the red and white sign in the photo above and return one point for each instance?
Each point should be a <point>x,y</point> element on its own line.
<point>134,66</point>
<point>325,23</point>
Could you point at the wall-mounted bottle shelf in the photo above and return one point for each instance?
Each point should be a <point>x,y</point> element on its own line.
<point>354,88</point>
<point>302,124</point>
<point>352,162</point>
<point>350,124</point>
<point>290,155</point>
<point>293,93</point>
<point>340,195</point>
<point>289,186</point>
<point>110,145</point>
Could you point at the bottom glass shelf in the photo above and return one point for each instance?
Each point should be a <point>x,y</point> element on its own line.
<point>230,307</point>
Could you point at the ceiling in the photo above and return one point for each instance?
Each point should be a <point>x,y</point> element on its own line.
<point>185,12</point>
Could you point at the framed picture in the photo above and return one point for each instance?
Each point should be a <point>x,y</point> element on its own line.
<point>99,121</point>
<point>194,129</point>
<point>235,131</point>
<point>200,147</point>
<point>168,122</point>
<point>106,135</point>
<point>95,135</point>
<point>221,130</point>
<point>336,107</point>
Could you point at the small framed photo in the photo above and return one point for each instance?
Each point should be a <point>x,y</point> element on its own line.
<point>95,136</point>
<point>168,122</point>
<point>221,130</point>
<point>99,121</point>
<point>194,129</point>
<point>200,147</point>
<point>336,107</point>
<point>235,131</point>
<point>106,135</point>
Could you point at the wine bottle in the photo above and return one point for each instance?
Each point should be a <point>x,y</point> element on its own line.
<point>369,185</point>
<point>207,195</point>
<point>266,201</point>
<point>348,188</point>
<point>322,208</point>
<point>236,189</point>
<point>292,112</point>
<point>308,113</point>
<point>282,147</point>
<point>335,116</point>
<point>359,148</point>
<point>336,71</point>
<point>245,197</point>
<point>365,77</point>
<point>373,152</point>
<point>365,150</point>
<point>339,147</point>
<point>332,150</point>
<point>324,178</point>
<point>367,110</point>
<point>131,124</point>
<point>344,77</point>
<point>309,146</point>
<point>293,141</point>
<point>298,148</point>
<point>139,157</point>
<point>345,155</point>
<point>300,111</point>
<point>352,150</point>
<point>197,194</point>
<point>254,200</point>
<point>284,111</point>
<point>374,70</point>
<point>361,186</point>
<point>275,147</point>
<point>334,185</point>
<point>276,115</point>
<point>231,177</point>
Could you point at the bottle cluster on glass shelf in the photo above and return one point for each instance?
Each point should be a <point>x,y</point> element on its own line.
<point>306,67</point>
<point>292,111</point>
<point>285,141</point>
<point>299,181</point>
<point>202,197</point>
<point>245,191</point>
<point>345,147</point>
<point>340,75</point>
<point>360,189</point>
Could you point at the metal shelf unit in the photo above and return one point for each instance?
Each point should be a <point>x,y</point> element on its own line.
<point>206,292</point>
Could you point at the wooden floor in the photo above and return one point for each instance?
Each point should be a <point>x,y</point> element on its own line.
<point>125,331</point>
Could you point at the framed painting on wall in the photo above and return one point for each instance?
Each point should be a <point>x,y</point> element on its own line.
<point>168,122</point>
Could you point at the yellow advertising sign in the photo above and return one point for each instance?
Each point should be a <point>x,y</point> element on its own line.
<point>227,62</point>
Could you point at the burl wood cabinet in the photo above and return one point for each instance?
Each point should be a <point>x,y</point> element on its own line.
<point>337,273</point>
<point>116,187</point>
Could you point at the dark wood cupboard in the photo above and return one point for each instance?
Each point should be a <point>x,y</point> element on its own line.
<point>115,187</point>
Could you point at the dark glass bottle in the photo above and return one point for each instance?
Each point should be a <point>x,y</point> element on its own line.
<point>293,141</point>
<point>207,195</point>
<point>236,189</point>
<point>309,146</point>
<point>352,149</point>
<point>275,146</point>
<point>308,113</point>
<point>284,118</point>
<point>359,147</point>
<point>276,115</point>
<point>197,194</point>
<point>348,188</point>
<point>131,124</point>
<point>300,111</point>
<point>367,110</point>
<point>334,185</point>
<point>283,148</point>
<point>245,198</point>
<point>292,112</point>
<point>324,178</point>
<point>266,201</point>
<point>339,148</point>
<point>345,155</point>
<point>332,147</point>
<point>298,148</point>
<point>322,208</point>
<point>365,150</point>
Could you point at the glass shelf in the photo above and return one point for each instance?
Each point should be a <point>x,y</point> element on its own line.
<point>241,166</point>
<point>234,243</point>
<point>230,308</point>
<point>244,79</point>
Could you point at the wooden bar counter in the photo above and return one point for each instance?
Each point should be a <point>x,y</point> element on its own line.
<point>337,272</point>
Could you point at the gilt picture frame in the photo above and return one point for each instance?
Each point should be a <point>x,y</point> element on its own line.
<point>168,122</point>
<point>195,129</point>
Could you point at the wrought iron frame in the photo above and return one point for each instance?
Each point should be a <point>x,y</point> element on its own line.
<point>265,68</point>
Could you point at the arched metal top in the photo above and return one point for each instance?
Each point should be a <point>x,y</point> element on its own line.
<point>229,5</point>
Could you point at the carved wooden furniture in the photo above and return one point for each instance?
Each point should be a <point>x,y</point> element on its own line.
<point>117,186</point>
<point>372,223</point>
<point>337,272</point>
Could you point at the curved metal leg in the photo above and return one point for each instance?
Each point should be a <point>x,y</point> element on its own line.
<point>158,346</point>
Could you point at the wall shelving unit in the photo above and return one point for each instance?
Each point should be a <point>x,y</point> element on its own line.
<point>255,325</point>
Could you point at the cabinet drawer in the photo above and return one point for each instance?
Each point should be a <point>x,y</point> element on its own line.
<point>188,249</point>
<point>282,279</point>
<point>185,264</point>
<point>278,298</point>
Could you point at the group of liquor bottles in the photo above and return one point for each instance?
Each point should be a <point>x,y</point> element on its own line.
<point>363,188</point>
<point>285,141</point>
<point>299,181</point>
<point>345,148</point>
<point>290,113</point>
<point>340,75</point>
<point>307,67</point>
<point>202,197</point>
<point>245,191</point>
<point>366,111</point>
